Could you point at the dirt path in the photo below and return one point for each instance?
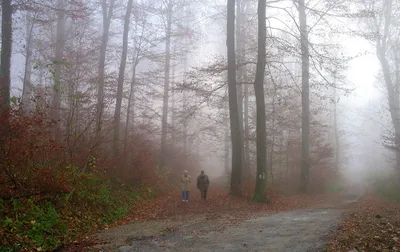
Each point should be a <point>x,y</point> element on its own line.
<point>299,230</point>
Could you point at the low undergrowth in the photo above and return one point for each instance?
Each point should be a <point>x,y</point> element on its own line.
<point>388,190</point>
<point>43,222</point>
<point>51,193</point>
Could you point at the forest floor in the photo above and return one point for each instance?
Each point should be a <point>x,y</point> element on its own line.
<point>372,224</point>
<point>223,223</point>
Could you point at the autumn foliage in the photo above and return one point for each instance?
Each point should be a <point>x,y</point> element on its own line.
<point>44,186</point>
<point>32,162</point>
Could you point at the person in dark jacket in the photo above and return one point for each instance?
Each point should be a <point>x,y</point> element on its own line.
<point>202,184</point>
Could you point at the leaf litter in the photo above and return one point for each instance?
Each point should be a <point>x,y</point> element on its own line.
<point>371,225</point>
<point>218,212</point>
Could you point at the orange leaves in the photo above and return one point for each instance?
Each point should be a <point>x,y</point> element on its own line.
<point>372,225</point>
<point>32,161</point>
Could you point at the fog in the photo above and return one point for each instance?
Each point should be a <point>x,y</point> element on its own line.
<point>197,121</point>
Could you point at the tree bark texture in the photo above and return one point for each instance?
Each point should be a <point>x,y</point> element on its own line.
<point>233,102</point>
<point>259,194</point>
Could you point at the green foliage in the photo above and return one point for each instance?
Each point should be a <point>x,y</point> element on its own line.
<point>45,226</point>
<point>336,188</point>
<point>41,223</point>
<point>15,100</point>
<point>388,189</point>
<point>385,184</point>
<point>34,225</point>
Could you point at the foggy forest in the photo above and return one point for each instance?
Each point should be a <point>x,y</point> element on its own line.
<point>200,125</point>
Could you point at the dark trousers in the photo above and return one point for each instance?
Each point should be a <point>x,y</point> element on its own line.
<point>203,193</point>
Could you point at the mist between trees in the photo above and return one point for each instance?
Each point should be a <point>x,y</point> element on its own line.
<point>141,90</point>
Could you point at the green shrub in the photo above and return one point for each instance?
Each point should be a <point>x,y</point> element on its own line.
<point>41,223</point>
<point>334,188</point>
<point>45,226</point>
<point>388,189</point>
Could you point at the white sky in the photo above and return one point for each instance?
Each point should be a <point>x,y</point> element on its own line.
<point>363,70</point>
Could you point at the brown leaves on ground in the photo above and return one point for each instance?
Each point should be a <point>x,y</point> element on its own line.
<point>372,225</point>
<point>218,204</point>
<point>220,209</point>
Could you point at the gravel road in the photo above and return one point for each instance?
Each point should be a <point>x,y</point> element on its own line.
<point>300,230</point>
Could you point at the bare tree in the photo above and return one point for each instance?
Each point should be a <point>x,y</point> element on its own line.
<point>381,18</point>
<point>167,64</point>
<point>27,85</point>
<point>117,114</point>
<point>58,62</point>
<point>259,194</point>
<point>305,97</point>
<point>240,70</point>
<point>143,43</point>
<point>336,131</point>
<point>392,85</point>
<point>107,9</point>
<point>237,149</point>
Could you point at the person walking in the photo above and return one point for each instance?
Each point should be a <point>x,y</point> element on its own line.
<point>185,181</point>
<point>202,184</point>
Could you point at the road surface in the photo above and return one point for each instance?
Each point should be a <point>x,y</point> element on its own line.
<point>300,230</point>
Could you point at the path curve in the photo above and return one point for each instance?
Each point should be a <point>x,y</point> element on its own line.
<point>300,230</point>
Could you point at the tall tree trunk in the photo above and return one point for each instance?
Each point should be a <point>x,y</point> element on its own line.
<point>186,144</point>
<point>305,98</point>
<point>131,106</point>
<point>239,60</point>
<point>397,128</point>
<point>287,163</point>
<point>164,123</point>
<point>246,135</point>
<point>233,102</point>
<point>56,99</point>
<point>245,97</point>
<point>259,194</point>
<point>281,158</point>
<point>393,98</point>
<point>226,151</point>
<point>226,142</point>
<point>107,16</point>
<point>173,112</point>
<point>5,65</point>
<point>271,153</point>
<point>130,111</point>
<point>391,86</point>
<point>121,75</point>
<point>274,132</point>
<point>336,132</point>
<point>185,110</point>
<point>198,145</point>
<point>27,85</point>
<point>40,93</point>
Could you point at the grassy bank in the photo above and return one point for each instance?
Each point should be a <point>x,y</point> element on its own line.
<point>43,222</point>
